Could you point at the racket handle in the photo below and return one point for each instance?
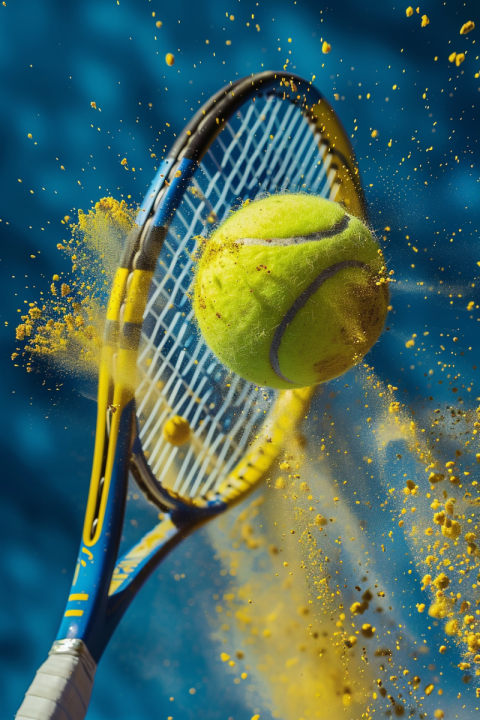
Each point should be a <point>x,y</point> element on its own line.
<point>62,686</point>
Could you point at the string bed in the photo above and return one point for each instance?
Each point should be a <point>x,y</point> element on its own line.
<point>266,147</point>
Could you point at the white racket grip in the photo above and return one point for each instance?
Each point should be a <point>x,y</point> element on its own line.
<point>62,686</point>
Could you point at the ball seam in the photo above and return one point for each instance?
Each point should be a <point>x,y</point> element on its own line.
<point>300,303</point>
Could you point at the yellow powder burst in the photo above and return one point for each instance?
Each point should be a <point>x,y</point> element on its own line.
<point>288,610</point>
<point>302,658</point>
<point>67,326</point>
<point>443,531</point>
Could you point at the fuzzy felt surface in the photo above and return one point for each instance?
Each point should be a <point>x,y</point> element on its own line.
<point>244,291</point>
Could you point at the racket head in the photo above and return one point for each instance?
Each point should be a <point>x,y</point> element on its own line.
<point>268,133</point>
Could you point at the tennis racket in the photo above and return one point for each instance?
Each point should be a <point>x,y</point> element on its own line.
<point>264,133</point>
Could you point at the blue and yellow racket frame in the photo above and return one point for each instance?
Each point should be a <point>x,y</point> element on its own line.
<point>104,585</point>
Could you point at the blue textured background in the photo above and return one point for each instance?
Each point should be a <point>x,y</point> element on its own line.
<point>56,57</point>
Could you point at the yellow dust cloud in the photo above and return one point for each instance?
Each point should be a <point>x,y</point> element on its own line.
<point>437,507</point>
<point>66,325</point>
<point>297,649</point>
<point>318,567</point>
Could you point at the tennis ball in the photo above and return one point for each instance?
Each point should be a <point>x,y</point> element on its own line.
<point>290,291</point>
<point>177,431</point>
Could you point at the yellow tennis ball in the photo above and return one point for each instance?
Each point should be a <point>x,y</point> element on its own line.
<point>290,291</point>
<point>177,431</point>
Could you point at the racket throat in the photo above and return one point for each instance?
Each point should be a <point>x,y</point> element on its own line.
<point>181,513</point>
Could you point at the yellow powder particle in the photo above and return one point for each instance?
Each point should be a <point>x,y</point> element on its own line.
<point>439,714</point>
<point>442,649</point>
<point>169,59</point>
<point>470,25</point>
<point>429,689</point>
<point>367,630</point>
<point>437,610</point>
<point>451,529</point>
<point>158,23</point>
<point>357,608</point>
<point>410,343</point>
<point>452,57</point>
<point>459,59</point>
<point>35,313</point>
<point>441,582</point>
<point>224,657</point>
<point>451,627</point>
<point>425,21</point>
<point>450,506</point>
<point>409,11</point>
<point>435,478</point>
<point>326,48</point>
<point>473,642</point>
